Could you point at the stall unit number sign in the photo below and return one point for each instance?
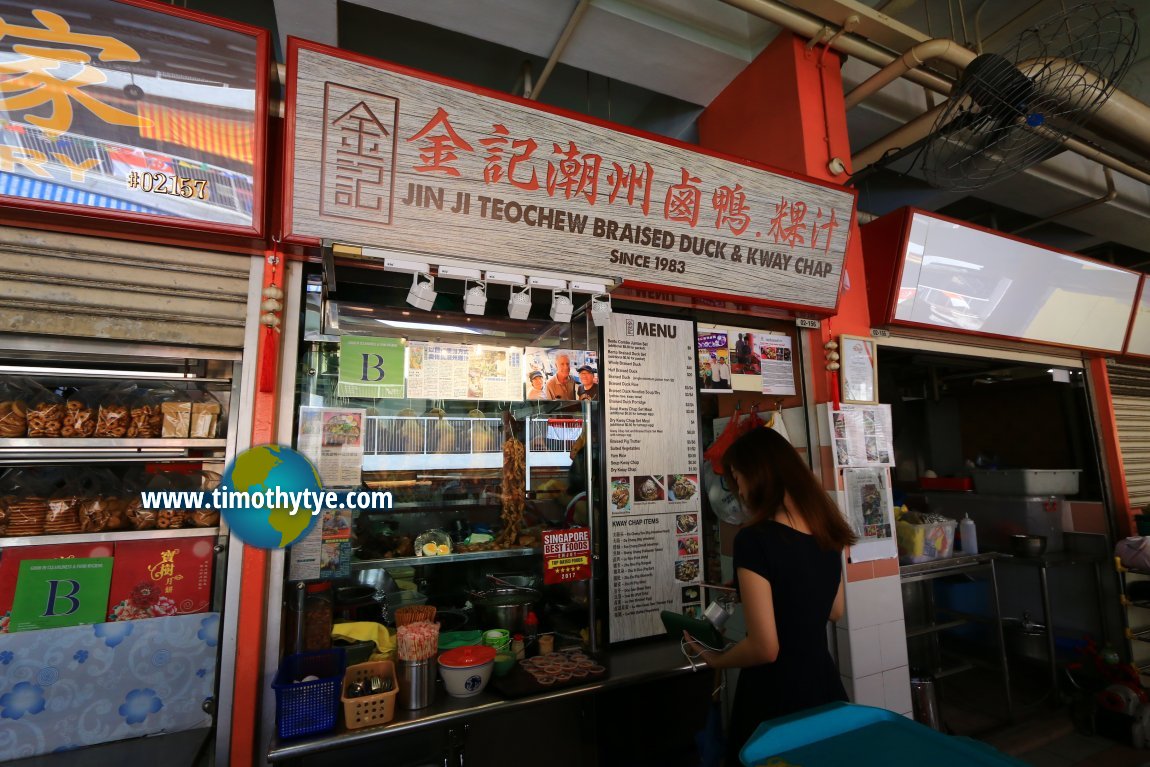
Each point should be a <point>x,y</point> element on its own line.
<point>655,543</point>
<point>383,157</point>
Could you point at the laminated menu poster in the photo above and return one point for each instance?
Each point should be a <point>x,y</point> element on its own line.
<point>861,435</point>
<point>463,371</point>
<point>332,439</point>
<point>870,512</point>
<point>743,359</point>
<point>325,552</point>
<point>656,551</point>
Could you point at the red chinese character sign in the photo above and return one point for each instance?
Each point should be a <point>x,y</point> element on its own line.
<point>385,157</point>
<point>136,112</point>
<point>566,555</point>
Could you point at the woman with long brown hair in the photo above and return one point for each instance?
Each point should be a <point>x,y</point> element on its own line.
<point>788,568</point>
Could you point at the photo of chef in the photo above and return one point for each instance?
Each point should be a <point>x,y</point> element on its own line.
<point>555,374</point>
<point>746,358</point>
<point>535,381</point>
<point>588,388</point>
<point>714,366</point>
<point>648,489</point>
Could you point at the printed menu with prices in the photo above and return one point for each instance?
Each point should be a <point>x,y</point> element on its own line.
<point>655,545</point>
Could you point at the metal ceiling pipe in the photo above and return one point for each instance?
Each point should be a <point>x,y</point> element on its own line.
<point>903,136</point>
<point>809,26</point>
<point>560,45</point>
<point>940,48</point>
<point>1110,195</point>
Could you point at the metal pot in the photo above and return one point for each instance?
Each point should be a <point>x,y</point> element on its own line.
<point>1028,545</point>
<point>504,608</point>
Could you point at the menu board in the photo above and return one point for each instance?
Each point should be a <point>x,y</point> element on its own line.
<point>656,550</point>
<point>460,371</point>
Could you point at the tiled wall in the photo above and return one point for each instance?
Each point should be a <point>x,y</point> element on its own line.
<point>871,640</point>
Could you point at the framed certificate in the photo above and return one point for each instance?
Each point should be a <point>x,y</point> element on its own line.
<point>859,370</point>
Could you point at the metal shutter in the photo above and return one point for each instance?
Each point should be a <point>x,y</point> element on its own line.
<point>85,287</point>
<point>1130,391</point>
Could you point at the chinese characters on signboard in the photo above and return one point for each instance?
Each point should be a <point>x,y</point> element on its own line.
<point>102,111</point>
<point>385,158</point>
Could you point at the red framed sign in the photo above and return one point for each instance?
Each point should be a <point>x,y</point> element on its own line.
<point>926,270</point>
<point>379,155</point>
<point>134,111</point>
<point>1138,337</point>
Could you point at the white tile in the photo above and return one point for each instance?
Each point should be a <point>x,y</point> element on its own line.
<point>843,644</point>
<point>892,644</point>
<point>866,656</point>
<point>888,596</point>
<point>896,689</point>
<point>862,607</point>
<point>849,686</point>
<point>869,691</point>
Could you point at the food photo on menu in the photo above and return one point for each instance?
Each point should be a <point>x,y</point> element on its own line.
<point>691,594</point>
<point>745,360</point>
<point>620,493</point>
<point>687,570</point>
<point>342,429</point>
<point>686,523</point>
<point>649,489</point>
<point>683,487</point>
<point>689,546</point>
<point>693,611</point>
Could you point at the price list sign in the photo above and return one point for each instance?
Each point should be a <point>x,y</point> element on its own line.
<point>655,548</point>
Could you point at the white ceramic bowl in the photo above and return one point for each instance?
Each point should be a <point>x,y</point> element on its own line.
<point>465,681</point>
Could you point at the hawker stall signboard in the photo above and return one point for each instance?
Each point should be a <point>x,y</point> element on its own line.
<point>383,156</point>
<point>653,518</point>
<point>134,111</point>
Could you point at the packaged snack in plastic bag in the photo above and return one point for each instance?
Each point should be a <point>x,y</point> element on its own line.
<point>177,416</point>
<point>27,502</point>
<point>80,412</point>
<point>63,515</point>
<point>100,502</point>
<point>113,418</point>
<point>45,411</point>
<point>13,409</point>
<point>146,420</point>
<point>206,411</point>
<point>209,480</point>
<point>136,517</point>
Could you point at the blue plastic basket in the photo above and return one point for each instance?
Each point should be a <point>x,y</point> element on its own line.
<point>308,708</point>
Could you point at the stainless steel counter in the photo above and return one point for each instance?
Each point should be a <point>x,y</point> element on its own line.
<point>626,666</point>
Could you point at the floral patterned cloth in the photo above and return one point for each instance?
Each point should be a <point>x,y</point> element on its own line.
<point>71,687</point>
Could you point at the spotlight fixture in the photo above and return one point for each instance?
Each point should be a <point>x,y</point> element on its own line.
<point>600,309</point>
<point>519,305</point>
<point>475,297</point>
<point>422,293</point>
<point>561,306</point>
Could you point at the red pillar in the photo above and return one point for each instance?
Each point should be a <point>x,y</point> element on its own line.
<point>1111,447</point>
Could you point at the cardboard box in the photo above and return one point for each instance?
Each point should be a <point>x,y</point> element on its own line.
<point>10,559</point>
<point>161,577</point>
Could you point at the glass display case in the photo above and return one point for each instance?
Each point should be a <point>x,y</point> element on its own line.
<point>477,462</point>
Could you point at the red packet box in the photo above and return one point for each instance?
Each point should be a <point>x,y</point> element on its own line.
<point>161,577</point>
<point>10,559</point>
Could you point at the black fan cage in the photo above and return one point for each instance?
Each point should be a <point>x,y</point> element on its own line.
<point>1012,109</point>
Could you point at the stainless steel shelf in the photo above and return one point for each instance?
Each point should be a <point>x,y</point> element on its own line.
<point>442,559</point>
<point>102,443</point>
<point>934,627</point>
<point>108,536</point>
